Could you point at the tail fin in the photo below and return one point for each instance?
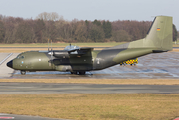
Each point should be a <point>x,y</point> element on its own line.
<point>160,33</point>
<point>158,39</point>
<point>159,36</point>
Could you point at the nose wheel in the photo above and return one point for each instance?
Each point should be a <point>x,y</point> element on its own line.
<point>23,72</point>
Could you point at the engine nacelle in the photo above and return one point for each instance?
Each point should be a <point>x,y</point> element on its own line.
<point>61,54</point>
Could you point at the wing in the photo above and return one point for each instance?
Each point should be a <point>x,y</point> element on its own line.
<point>81,51</point>
<point>71,53</point>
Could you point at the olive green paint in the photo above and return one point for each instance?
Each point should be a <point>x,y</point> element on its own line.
<point>79,60</point>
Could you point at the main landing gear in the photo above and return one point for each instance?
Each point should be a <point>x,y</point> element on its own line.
<point>79,72</point>
<point>23,72</point>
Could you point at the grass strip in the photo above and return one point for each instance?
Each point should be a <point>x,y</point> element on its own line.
<point>107,44</point>
<point>100,81</point>
<point>102,44</point>
<point>19,50</point>
<point>93,106</point>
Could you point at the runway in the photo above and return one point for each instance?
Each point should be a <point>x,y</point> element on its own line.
<point>152,66</point>
<point>54,88</point>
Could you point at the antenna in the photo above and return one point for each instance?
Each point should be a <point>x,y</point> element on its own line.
<point>50,53</point>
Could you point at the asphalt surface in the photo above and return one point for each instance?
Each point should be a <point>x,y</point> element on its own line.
<point>54,88</point>
<point>4,70</point>
<point>153,66</point>
<point>23,117</point>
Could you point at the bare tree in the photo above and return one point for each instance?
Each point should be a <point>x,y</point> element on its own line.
<point>53,16</point>
<point>80,33</point>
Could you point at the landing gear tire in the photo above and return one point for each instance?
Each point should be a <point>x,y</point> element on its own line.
<point>74,72</point>
<point>23,72</point>
<point>82,72</point>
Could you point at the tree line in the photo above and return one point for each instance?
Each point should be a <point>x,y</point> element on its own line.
<point>54,27</point>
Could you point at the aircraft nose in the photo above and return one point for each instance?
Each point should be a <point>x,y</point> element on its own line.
<point>9,64</point>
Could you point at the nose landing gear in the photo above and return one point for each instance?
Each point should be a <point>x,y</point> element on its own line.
<point>79,72</point>
<point>23,72</point>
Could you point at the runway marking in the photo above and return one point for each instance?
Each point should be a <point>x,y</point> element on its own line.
<point>5,58</point>
<point>6,117</point>
<point>2,116</point>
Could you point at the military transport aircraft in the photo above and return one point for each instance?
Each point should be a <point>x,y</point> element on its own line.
<point>79,60</point>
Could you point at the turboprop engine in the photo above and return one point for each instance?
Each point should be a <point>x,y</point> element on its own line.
<point>61,54</point>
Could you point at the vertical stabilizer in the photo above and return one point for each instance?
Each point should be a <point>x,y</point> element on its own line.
<point>160,34</point>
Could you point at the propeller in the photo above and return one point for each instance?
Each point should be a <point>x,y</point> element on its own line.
<point>51,51</point>
<point>48,45</point>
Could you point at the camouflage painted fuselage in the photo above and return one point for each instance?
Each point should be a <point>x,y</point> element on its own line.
<point>92,60</point>
<point>158,39</point>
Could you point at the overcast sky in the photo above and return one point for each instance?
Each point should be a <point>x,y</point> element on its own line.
<point>93,9</point>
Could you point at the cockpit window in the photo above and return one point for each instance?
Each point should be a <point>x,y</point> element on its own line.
<point>71,47</point>
<point>20,57</point>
